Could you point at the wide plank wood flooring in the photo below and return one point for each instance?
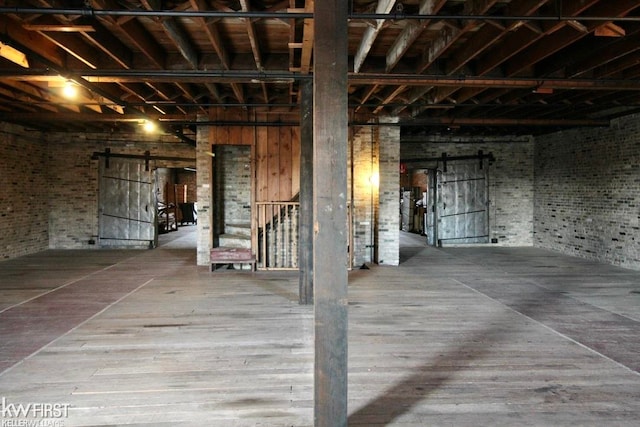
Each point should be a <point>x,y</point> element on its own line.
<point>453,337</point>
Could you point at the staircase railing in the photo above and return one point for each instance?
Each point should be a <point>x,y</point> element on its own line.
<point>278,235</point>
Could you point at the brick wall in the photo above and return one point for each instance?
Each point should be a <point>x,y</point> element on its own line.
<point>587,198</point>
<point>232,185</point>
<point>511,188</point>
<point>73,179</point>
<point>24,192</point>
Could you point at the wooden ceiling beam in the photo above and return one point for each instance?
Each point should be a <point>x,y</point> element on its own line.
<point>368,94</point>
<point>415,80</point>
<point>307,39</point>
<point>211,30</point>
<point>29,93</point>
<point>411,32</point>
<point>523,37</point>
<point>519,41</point>
<point>71,44</point>
<point>566,36</point>
<point>433,121</point>
<point>627,46</point>
<point>11,30</point>
<point>180,39</point>
<point>488,36</point>
<point>109,45</point>
<point>253,38</point>
<point>389,98</point>
<point>255,45</point>
<point>370,34</point>
<point>617,67</point>
<point>449,35</point>
<point>135,32</point>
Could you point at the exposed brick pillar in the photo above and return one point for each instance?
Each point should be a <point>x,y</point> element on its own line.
<point>203,182</point>
<point>388,219</point>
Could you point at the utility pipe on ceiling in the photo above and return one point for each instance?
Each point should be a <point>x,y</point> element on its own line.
<point>249,76</point>
<point>295,15</point>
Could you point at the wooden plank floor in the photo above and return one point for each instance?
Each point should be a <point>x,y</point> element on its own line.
<point>453,337</point>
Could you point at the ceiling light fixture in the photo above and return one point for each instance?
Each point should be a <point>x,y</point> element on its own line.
<point>70,90</point>
<point>13,55</point>
<point>149,126</point>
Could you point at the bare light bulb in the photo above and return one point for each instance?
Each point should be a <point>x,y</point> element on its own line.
<point>70,90</point>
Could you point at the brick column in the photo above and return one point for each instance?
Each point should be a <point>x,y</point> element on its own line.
<point>203,182</point>
<point>388,224</point>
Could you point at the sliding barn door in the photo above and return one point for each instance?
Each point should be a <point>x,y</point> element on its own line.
<point>462,207</point>
<point>127,204</point>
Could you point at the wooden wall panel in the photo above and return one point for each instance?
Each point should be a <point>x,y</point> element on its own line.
<point>262,172</point>
<point>276,148</point>
<point>273,163</point>
<point>295,161</point>
<point>285,169</point>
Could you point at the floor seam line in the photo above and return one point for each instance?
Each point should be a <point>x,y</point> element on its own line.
<point>67,284</point>
<point>104,309</point>
<point>549,328</point>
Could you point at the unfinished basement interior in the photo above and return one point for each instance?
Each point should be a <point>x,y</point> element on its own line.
<point>320,213</point>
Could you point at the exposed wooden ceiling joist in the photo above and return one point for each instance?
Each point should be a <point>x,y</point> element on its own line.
<point>478,62</point>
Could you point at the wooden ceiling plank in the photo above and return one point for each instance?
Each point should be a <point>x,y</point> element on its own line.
<point>411,32</point>
<point>565,37</point>
<point>27,94</point>
<point>71,44</point>
<point>12,30</point>
<point>628,46</point>
<point>487,38</point>
<point>176,34</point>
<point>135,32</point>
<point>212,33</point>
<point>489,35</point>
<point>389,98</point>
<point>415,96</point>
<point>370,34</point>
<point>30,92</point>
<point>213,90</point>
<point>611,69</point>
<point>182,42</point>
<point>450,35</point>
<point>524,37</point>
<point>111,46</point>
<point>372,89</point>
<point>211,30</point>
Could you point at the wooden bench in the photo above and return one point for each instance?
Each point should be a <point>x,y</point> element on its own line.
<point>232,256</point>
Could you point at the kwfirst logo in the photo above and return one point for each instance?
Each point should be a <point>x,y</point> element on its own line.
<point>33,414</point>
